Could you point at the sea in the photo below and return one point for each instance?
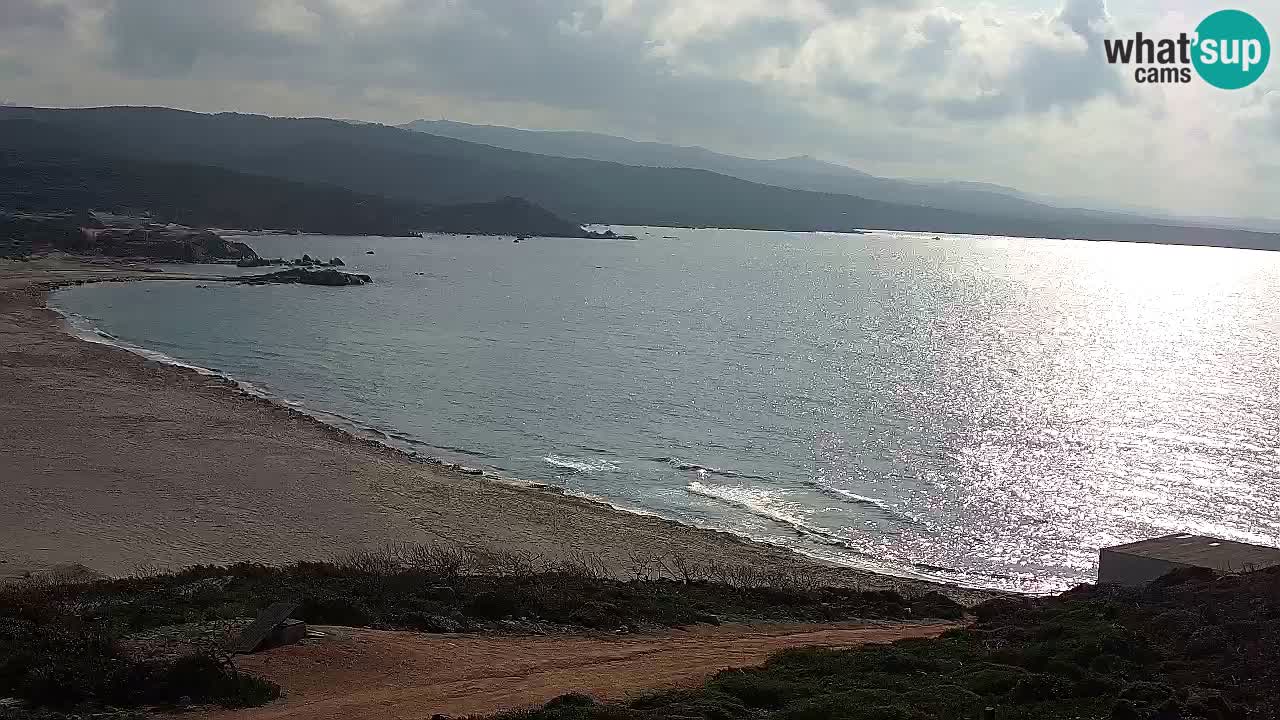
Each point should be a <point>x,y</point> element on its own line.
<point>987,411</point>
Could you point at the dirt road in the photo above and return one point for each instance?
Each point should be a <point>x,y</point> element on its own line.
<point>379,675</point>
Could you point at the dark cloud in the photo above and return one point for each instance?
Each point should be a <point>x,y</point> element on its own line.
<point>546,52</point>
<point>168,37</point>
<point>563,53</point>
<point>17,14</point>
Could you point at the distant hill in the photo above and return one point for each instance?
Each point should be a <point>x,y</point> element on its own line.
<point>799,173</point>
<point>44,169</point>
<point>807,173</point>
<point>507,216</point>
<point>423,169</point>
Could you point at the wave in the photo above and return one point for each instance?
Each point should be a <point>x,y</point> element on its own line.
<point>841,494</point>
<point>469,452</point>
<point>758,503</point>
<point>586,465</point>
<point>854,498</point>
<point>706,470</point>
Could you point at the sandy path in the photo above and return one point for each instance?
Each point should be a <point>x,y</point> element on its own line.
<point>394,675</point>
<point>116,462</point>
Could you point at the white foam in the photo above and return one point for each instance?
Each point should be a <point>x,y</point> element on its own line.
<point>761,502</point>
<point>855,497</point>
<point>586,465</point>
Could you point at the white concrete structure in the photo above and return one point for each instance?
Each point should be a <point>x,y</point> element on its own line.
<point>1141,562</point>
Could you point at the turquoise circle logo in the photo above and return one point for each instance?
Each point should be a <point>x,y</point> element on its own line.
<point>1232,49</point>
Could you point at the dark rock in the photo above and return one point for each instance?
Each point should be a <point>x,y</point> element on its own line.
<point>304,276</point>
<point>337,262</point>
<point>433,623</point>
<point>368,252</point>
<point>162,243</point>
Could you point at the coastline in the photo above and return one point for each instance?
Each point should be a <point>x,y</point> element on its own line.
<point>117,462</point>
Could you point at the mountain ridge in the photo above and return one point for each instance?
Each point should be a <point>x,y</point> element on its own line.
<point>804,172</point>
<point>44,170</point>
<point>427,169</point>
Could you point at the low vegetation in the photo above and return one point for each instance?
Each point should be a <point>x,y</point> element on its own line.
<point>61,656</point>
<point>1192,645</point>
<point>71,644</point>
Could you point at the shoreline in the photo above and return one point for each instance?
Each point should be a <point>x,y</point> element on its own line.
<point>276,484</point>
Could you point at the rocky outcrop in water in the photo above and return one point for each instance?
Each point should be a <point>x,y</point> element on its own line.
<point>258,262</point>
<point>304,261</point>
<point>176,243</point>
<point>120,236</point>
<point>327,277</point>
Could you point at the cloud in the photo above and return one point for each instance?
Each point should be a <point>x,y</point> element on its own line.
<point>973,67</point>
<point>19,14</point>
<point>994,91</point>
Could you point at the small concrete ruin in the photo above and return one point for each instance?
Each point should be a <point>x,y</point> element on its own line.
<point>273,628</point>
<point>1138,563</point>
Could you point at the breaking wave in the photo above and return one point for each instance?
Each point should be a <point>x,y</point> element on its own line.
<point>585,465</point>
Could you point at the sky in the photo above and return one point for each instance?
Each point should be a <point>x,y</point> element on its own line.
<point>1014,92</point>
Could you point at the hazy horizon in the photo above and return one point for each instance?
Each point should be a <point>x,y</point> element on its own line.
<point>1014,92</point>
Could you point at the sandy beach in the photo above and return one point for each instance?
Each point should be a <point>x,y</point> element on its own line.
<point>120,463</point>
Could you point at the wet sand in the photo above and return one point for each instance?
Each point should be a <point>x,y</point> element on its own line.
<point>120,463</point>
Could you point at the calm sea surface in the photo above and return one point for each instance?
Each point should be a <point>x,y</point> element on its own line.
<point>976,409</point>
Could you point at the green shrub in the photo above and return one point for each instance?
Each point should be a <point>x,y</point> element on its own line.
<point>1037,687</point>
<point>992,679</point>
<point>334,610</point>
<point>756,690</point>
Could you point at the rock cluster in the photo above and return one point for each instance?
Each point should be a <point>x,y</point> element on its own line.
<point>328,277</point>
